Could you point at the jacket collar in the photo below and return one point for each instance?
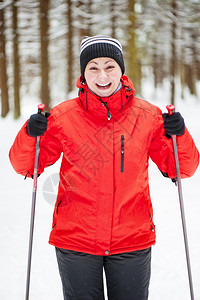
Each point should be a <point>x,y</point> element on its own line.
<point>106,107</point>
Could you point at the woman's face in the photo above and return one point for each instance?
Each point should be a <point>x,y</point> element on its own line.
<point>103,75</point>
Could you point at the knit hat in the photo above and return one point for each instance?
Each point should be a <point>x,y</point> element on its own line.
<point>100,46</point>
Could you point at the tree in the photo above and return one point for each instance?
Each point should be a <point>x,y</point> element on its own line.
<point>3,66</point>
<point>69,47</point>
<point>44,40</point>
<point>16,61</point>
<point>134,70</point>
<point>191,49</point>
<point>89,19</point>
<point>113,18</point>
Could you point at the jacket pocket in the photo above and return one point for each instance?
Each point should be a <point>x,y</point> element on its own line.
<point>58,206</point>
<point>122,153</point>
<point>153,227</point>
<point>56,211</point>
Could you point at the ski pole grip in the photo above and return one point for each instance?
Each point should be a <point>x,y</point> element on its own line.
<point>41,108</point>
<point>171,109</point>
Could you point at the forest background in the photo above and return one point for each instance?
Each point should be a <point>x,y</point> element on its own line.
<point>39,45</point>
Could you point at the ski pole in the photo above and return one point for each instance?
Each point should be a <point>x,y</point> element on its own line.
<point>171,110</point>
<point>37,151</point>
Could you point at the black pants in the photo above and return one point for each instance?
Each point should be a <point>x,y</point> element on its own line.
<point>127,275</point>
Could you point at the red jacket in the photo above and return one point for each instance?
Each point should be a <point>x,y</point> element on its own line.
<point>103,204</point>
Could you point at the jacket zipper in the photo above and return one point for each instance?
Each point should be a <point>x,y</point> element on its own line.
<point>108,110</point>
<point>122,153</point>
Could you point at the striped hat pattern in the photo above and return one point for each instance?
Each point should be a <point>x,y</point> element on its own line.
<point>100,46</point>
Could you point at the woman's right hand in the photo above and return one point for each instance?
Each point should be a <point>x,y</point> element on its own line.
<point>37,124</point>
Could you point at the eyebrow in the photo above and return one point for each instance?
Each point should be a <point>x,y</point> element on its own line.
<point>109,61</point>
<point>94,62</point>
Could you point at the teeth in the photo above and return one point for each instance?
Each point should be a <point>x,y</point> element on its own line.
<point>106,84</point>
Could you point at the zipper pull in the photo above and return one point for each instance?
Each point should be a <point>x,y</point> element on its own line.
<point>122,153</point>
<point>109,116</point>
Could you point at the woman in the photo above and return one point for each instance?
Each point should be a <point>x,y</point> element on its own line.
<point>103,216</point>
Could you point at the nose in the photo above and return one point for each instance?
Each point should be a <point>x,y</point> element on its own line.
<point>102,74</point>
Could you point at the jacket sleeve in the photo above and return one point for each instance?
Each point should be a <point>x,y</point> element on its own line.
<point>22,152</point>
<point>161,152</point>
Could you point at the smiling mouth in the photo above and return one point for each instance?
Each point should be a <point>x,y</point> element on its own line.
<point>103,86</point>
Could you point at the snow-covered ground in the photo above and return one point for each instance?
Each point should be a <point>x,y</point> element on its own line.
<point>169,278</point>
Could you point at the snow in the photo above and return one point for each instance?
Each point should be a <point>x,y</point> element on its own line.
<point>169,279</point>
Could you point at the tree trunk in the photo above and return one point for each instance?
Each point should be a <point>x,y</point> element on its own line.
<point>194,64</point>
<point>3,71</point>
<point>89,22</point>
<point>44,40</point>
<point>69,47</point>
<point>16,62</point>
<point>134,69</point>
<point>190,79</point>
<point>155,69</point>
<point>113,18</point>
<point>81,29</point>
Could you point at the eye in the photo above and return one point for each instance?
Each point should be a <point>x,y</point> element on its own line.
<point>93,68</point>
<point>110,67</point>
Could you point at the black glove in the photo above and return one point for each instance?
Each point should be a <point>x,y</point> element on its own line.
<point>174,124</point>
<point>37,124</point>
